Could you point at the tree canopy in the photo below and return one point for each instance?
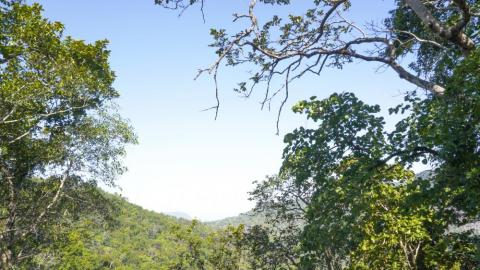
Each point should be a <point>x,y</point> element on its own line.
<point>60,133</point>
<point>348,183</point>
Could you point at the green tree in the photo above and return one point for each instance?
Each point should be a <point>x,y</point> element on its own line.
<point>60,134</point>
<point>364,208</point>
<point>283,203</point>
<point>227,249</point>
<point>361,208</point>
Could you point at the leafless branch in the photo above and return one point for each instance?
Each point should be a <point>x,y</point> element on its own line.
<point>287,81</point>
<point>46,115</point>
<point>181,5</point>
<point>420,40</point>
<point>8,115</point>
<point>329,40</point>
<point>362,32</point>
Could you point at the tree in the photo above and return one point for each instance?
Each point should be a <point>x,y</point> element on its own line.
<point>284,205</point>
<point>60,133</point>
<point>437,33</point>
<point>348,182</point>
<point>226,249</point>
<point>365,207</point>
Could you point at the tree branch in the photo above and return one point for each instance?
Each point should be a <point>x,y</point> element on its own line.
<point>52,203</point>
<point>453,34</point>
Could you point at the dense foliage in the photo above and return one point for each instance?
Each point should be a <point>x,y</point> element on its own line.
<point>60,133</point>
<point>142,239</point>
<point>346,190</point>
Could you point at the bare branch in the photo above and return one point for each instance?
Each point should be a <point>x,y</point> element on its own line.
<point>328,35</point>
<point>45,115</point>
<point>352,24</point>
<point>420,40</point>
<point>181,5</point>
<point>325,18</point>
<point>287,81</point>
<point>21,136</point>
<point>8,115</point>
<point>346,50</point>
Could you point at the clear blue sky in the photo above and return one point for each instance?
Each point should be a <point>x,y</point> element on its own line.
<point>186,161</point>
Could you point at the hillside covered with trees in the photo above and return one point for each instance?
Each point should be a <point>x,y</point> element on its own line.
<point>135,238</point>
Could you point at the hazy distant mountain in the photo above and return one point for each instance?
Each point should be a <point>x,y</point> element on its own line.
<point>249,218</point>
<point>179,214</point>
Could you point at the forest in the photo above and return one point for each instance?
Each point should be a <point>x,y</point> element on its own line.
<point>348,193</point>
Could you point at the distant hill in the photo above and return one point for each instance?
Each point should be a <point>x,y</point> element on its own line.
<point>138,239</point>
<point>249,218</point>
<point>179,214</point>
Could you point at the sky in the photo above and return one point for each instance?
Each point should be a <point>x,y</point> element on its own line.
<point>185,160</point>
